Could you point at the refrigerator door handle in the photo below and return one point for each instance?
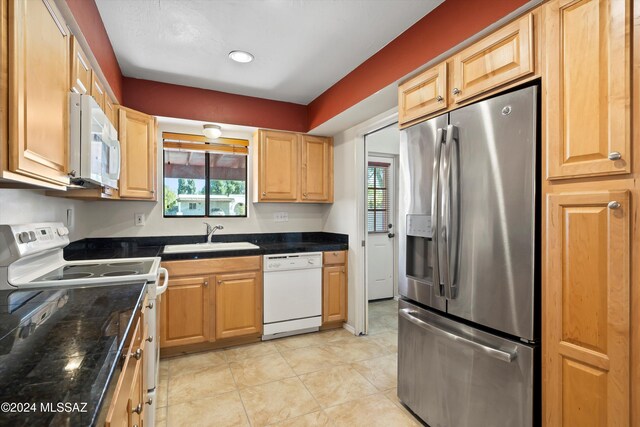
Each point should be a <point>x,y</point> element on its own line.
<point>435,215</point>
<point>449,211</point>
<point>412,316</point>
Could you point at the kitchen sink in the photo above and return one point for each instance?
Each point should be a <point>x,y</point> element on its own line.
<point>209,247</point>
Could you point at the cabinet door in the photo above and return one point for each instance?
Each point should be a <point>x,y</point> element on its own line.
<point>278,166</point>
<point>501,57</point>
<point>38,91</point>
<point>586,310</point>
<point>317,169</point>
<point>136,132</point>
<point>588,121</point>
<point>185,312</point>
<point>81,72</point>
<point>97,90</point>
<point>424,94</point>
<point>110,110</point>
<point>238,304</point>
<point>334,291</point>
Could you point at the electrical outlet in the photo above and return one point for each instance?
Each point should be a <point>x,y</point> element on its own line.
<point>281,217</point>
<point>138,219</point>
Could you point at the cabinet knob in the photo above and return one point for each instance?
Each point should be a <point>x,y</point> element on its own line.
<point>137,409</point>
<point>137,354</point>
<point>150,305</point>
<point>149,401</point>
<point>150,338</point>
<point>613,205</point>
<point>206,283</point>
<point>73,173</point>
<point>456,91</point>
<point>439,98</point>
<point>304,194</point>
<point>264,194</point>
<point>219,282</point>
<point>614,155</point>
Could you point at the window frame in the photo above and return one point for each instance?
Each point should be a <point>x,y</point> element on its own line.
<point>207,188</point>
<point>375,188</point>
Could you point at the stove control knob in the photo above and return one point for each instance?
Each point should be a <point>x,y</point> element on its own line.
<point>63,231</point>
<point>32,236</point>
<point>23,237</point>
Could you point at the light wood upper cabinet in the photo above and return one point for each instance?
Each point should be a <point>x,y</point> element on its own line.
<point>424,94</point>
<point>293,167</point>
<point>587,51</point>
<point>137,134</point>
<point>38,91</point>
<point>502,57</point>
<point>278,166</point>
<point>238,305</point>
<point>185,312</point>
<point>97,90</point>
<point>81,72</point>
<point>110,110</point>
<point>317,169</point>
<point>586,310</point>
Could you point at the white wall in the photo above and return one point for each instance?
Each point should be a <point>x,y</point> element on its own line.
<point>115,218</point>
<point>22,206</point>
<point>346,215</point>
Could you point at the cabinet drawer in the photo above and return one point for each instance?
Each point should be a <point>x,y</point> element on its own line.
<point>334,257</point>
<point>499,58</point>
<point>212,266</point>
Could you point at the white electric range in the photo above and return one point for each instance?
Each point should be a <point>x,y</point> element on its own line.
<point>31,257</point>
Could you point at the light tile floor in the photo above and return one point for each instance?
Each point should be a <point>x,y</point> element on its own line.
<point>327,378</point>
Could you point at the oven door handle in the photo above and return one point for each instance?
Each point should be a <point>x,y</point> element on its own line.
<point>412,317</point>
<point>160,290</point>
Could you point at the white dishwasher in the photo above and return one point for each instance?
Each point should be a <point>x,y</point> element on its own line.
<point>292,294</point>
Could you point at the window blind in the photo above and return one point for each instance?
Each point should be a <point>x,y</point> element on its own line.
<point>378,203</point>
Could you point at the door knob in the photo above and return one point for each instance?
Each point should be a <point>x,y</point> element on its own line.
<point>614,155</point>
<point>613,205</point>
<point>391,235</point>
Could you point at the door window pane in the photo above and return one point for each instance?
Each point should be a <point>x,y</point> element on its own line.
<point>377,198</point>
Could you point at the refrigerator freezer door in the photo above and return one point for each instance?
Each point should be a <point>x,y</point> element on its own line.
<point>494,276</point>
<point>416,175</point>
<point>450,374</point>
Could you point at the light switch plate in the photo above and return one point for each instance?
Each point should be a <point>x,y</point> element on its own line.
<point>281,217</point>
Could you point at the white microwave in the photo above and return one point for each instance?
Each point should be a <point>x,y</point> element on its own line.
<point>94,154</point>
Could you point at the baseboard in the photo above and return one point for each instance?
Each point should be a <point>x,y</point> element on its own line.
<point>349,328</point>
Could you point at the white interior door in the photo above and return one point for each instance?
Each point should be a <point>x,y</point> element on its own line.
<point>380,227</point>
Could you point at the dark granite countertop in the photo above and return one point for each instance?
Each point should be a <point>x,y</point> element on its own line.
<point>269,243</point>
<point>69,355</point>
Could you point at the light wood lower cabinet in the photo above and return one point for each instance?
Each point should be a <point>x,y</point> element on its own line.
<point>238,304</point>
<point>334,288</point>
<point>215,301</point>
<point>185,312</point>
<point>586,310</point>
<point>127,407</point>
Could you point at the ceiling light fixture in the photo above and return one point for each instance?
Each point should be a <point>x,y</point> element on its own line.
<point>240,56</point>
<point>212,131</point>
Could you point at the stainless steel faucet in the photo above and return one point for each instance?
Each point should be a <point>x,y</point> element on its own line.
<point>212,229</point>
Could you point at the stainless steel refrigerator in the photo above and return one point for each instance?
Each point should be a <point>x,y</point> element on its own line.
<point>468,345</point>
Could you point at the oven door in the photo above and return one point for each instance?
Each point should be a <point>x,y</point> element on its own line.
<point>451,374</point>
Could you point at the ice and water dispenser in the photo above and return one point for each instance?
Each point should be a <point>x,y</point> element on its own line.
<point>419,248</point>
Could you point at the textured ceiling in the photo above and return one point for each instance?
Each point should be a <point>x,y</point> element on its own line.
<point>301,47</point>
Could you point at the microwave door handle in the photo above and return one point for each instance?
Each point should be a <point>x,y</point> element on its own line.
<point>449,211</point>
<point>435,203</point>
<point>118,162</point>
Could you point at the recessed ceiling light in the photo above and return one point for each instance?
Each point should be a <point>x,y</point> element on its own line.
<point>240,56</point>
<point>212,131</point>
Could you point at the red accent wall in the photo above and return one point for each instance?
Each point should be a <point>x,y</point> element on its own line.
<point>164,99</point>
<point>449,24</point>
<point>88,18</point>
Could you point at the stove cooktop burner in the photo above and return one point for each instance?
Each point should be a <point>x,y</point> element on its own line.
<point>120,273</point>
<point>67,276</point>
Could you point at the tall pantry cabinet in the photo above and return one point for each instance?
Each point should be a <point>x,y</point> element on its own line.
<point>590,309</point>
